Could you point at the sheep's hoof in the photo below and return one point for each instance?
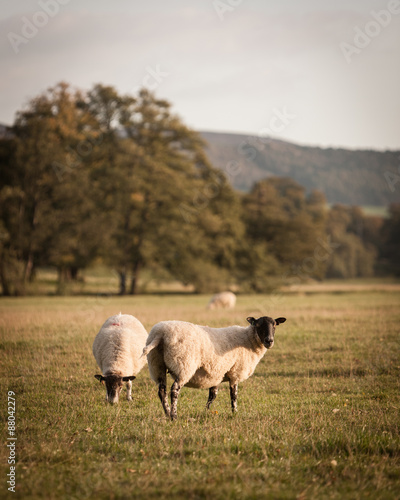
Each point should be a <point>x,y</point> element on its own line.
<point>129,398</point>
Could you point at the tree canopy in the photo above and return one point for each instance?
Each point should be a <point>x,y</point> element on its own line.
<point>99,176</point>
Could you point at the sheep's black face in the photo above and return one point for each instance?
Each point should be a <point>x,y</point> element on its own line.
<point>265,329</point>
<point>113,387</point>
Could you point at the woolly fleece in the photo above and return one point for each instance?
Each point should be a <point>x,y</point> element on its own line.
<point>202,357</point>
<point>223,300</point>
<point>119,344</point>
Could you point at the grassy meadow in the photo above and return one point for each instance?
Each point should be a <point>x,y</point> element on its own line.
<point>320,417</point>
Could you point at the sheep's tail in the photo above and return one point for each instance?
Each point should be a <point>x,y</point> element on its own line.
<point>151,346</point>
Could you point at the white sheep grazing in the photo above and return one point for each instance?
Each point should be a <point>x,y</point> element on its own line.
<point>223,300</point>
<point>203,357</point>
<point>117,349</point>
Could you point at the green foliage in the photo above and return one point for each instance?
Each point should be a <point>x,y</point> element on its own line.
<point>257,269</point>
<point>98,176</point>
<point>158,172</point>
<point>285,225</point>
<point>390,244</point>
<point>46,206</point>
<point>355,237</point>
<point>11,268</point>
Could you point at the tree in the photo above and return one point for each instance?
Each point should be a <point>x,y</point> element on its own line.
<point>100,174</point>
<point>353,234</point>
<point>390,240</point>
<point>11,266</point>
<point>285,224</point>
<point>45,198</point>
<point>153,171</point>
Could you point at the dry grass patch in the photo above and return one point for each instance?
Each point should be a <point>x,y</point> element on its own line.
<point>318,419</point>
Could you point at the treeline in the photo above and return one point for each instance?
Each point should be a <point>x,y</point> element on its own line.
<point>98,176</point>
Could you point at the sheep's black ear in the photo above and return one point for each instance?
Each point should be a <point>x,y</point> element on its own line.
<point>100,378</point>
<point>251,320</point>
<point>278,321</point>
<point>131,377</point>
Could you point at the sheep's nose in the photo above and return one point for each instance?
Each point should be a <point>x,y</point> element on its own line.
<point>112,399</point>
<point>269,344</point>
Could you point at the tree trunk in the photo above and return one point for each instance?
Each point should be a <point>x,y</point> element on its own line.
<point>73,272</point>
<point>29,261</point>
<point>135,278</point>
<point>32,276</point>
<point>3,279</point>
<point>122,282</point>
<point>28,267</point>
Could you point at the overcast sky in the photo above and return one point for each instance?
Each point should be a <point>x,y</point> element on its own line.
<point>312,72</point>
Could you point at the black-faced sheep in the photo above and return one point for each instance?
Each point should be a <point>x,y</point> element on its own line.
<point>203,357</point>
<point>117,348</point>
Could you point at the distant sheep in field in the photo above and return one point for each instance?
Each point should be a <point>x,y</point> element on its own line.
<point>117,348</point>
<point>223,300</point>
<point>203,357</point>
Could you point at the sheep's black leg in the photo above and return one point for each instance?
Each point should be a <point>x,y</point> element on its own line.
<point>175,389</point>
<point>162,394</point>
<point>212,394</point>
<point>234,393</point>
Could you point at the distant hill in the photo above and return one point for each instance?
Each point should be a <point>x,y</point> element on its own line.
<point>345,176</point>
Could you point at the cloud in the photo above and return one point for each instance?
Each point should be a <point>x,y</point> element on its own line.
<point>220,75</point>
